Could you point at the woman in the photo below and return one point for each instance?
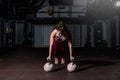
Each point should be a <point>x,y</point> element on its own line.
<point>60,39</point>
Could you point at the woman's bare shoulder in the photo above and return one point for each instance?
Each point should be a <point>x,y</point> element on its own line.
<point>54,32</point>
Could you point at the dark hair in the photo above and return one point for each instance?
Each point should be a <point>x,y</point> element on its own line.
<point>61,26</point>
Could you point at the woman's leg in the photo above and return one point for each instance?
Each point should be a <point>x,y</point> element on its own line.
<point>56,51</point>
<point>63,51</point>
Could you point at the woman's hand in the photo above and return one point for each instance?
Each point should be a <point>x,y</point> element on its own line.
<point>72,58</point>
<point>48,58</point>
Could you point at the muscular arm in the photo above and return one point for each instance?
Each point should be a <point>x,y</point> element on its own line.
<point>51,42</point>
<point>70,49</point>
<point>70,46</point>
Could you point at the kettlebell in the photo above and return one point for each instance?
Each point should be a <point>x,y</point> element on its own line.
<point>48,66</point>
<point>71,66</point>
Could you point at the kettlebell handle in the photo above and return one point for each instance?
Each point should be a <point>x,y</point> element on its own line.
<point>49,61</point>
<point>73,61</point>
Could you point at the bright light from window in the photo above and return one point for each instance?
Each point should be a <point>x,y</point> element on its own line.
<point>118,3</point>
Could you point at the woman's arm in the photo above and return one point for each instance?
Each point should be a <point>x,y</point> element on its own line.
<point>70,45</point>
<point>70,50</point>
<point>51,43</point>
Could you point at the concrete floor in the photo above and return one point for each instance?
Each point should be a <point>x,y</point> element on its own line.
<point>28,64</point>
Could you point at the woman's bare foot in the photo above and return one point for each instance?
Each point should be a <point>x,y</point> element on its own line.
<point>56,61</point>
<point>62,61</point>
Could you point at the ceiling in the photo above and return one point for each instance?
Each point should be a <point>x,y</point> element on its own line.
<point>19,8</point>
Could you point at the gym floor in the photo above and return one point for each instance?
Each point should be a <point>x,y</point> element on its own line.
<point>27,64</point>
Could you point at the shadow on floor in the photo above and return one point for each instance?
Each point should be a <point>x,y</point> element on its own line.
<point>86,64</point>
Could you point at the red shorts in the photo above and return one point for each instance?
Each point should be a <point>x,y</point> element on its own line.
<point>59,48</point>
